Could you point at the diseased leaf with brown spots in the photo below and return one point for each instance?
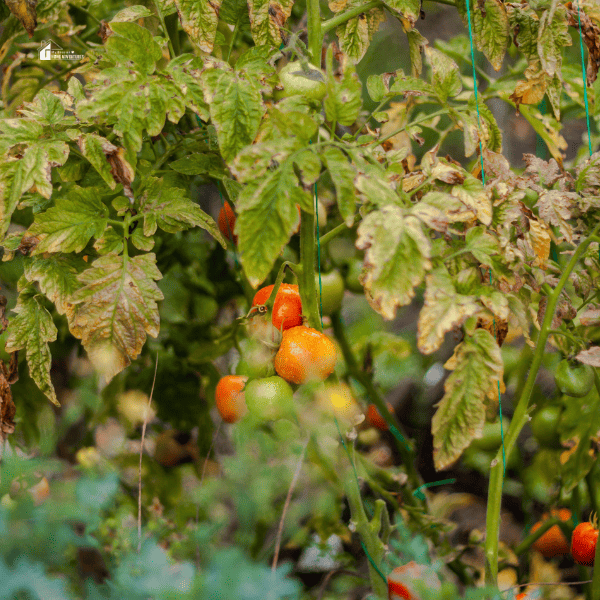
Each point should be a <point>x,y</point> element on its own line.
<point>476,367</point>
<point>443,310</point>
<point>116,309</point>
<point>199,19</point>
<point>24,10</point>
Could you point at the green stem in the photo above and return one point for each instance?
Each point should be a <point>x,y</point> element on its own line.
<point>308,259</point>
<point>161,18</point>
<point>520,417</point>
<point>341,18</point>
<point>444,111</point>
<point>376,109</point>
<point>327,237</point>
<point>171,22</point>
<point>533,537</point>
<point>315,35</point>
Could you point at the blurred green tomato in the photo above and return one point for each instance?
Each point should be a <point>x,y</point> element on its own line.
<point>269,398</point>
<point>354,270</point>
<point>332,285</point>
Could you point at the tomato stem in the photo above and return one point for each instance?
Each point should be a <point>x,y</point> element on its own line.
<point>521,417</point>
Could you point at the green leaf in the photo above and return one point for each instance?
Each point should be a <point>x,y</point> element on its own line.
<point>130,102</point>
<point>97,492</point>
<point>344,98</point>
<point>189,86</point>
<point>476,369</point>
<point>199,19</point>
<point>170,209</point>
<point>32,329</point>
<point>481,245</point>
<point>409,86</point>
<point>255,160</point>
<point>444,309</point>
<point>29,577</point>
<point>356,34</point>
<point>96,148</point>
<point>416,45</point>
<point>47,109</point>
<point>18,175</point>
<point>396,257</point>
<point>57,277</point>
<point>490,24</point>
<point>407,10</point>
<point>116,308</point>
<point>267,217</point>
<point>236,110</point>
<point>524,21</point>
<point>267,21</point>
<point>445,74</point>
<point>133,45</point>
<point>200,164</point>
<point>110,242</point>
<point>553,35</point>
<point>343,174</point>
<point>71,223</point>
<point>132,13</point>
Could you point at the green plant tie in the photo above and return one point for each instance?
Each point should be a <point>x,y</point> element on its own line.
<point>483,183</point>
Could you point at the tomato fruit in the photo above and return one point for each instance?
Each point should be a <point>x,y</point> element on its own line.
<point>553,542</point>
<point>295,81</point>
<point>227,222</point>
<point>375,419</point>
<point>492,436</point>
<point>401,581</point>
<point>332,286</point>
<point>287,308</point>
<point>269,398</point>
<point>354,270</point>
<point>583,544</point>
<point>229,397</point>
<point>305,354</point>
<point>256,360</point>
<point>574,379</point>
<point>544,426</point>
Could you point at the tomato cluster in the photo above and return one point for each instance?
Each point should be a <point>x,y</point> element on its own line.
<point>303,355</point>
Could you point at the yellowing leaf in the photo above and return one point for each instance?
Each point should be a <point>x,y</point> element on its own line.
<point>116,309</point>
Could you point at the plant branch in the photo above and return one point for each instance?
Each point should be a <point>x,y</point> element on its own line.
<point>520,417</point>
<point>341,18</point>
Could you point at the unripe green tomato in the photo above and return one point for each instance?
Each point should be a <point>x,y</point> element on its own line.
<point>574,379</point>
<point>351,279</point>
<point>256,360</point>
<point>341,251</point>
<point>269,398</point>
<point>295,81</point>
<point>492,436</point>
<point>544,426</point>
<point>332,285</point>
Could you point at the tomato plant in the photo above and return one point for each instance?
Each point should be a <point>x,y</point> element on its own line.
<point>583,544</point>
<point>545,426</point>
<point>287,308</point>
<point>574,378</point>
<point>305,354</point>
<point>332,285</point>
<point>229,397</point>
<point>296,81</point>
<point>269,398</point>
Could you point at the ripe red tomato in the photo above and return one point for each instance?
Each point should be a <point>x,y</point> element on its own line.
<point>227,222</point>
<point>583,544</point>
<point>401,581</point>
<point>375,419</point>
<point>553,542</point>
<point>229,397</point>
<point>287,308</point>
<point>305,354</point>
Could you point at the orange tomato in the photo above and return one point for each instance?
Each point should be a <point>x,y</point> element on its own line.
<point>583,544</point>
<point>227,222</point>
<point>287,308</point>
<point>229,397</point>
<point>305,354</point>
<point>375,419</point>
<point>553,542</point>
